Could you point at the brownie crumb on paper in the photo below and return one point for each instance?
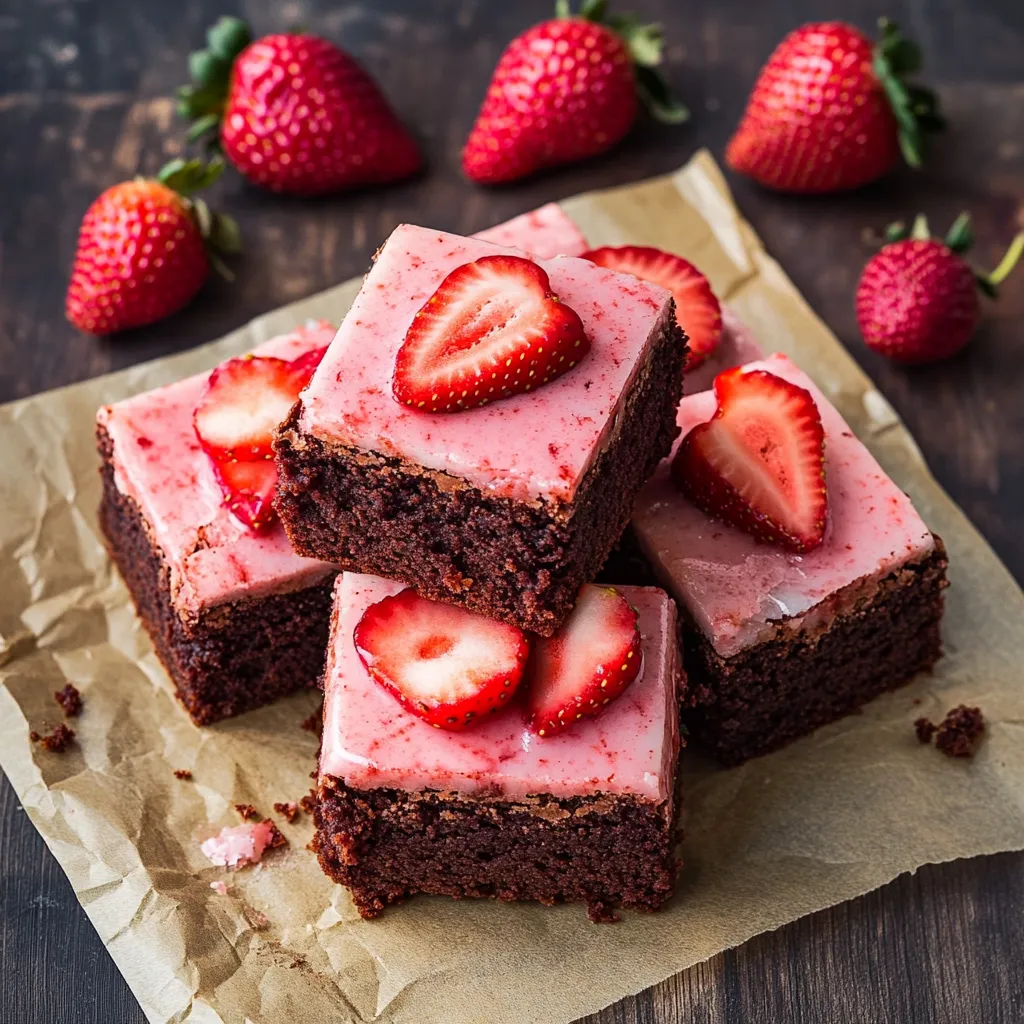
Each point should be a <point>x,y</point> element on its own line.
<point>957,735</point>
<point>315,722</point>
<point>247,812</point>
<point>56,741</point>
<point>183,774</point>
<point>70,700</point>
<point>925,729</point>
<point>290,810</point>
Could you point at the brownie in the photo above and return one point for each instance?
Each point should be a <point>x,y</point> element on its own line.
<point>604,851</point>
<point>519,561</point>
<point>231,657</point>
<point>793,682</point>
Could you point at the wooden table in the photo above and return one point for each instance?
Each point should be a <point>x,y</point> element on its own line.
<point>83,103</point>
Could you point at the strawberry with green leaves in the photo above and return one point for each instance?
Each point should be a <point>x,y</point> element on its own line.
<point>918,297</point>
<point>565,90</point>
<point>293,112</point>
<point>832,110</point>
<point>145,247</point>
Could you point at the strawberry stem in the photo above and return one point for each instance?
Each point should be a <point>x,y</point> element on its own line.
<point>919,232</point>
<point>1008,262</point>
<point>915,108</point>
<point>644,44</point>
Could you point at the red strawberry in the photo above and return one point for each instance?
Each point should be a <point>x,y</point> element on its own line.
<point>759,462</point>
<point>592,658</point>
<point>294,113</point>
<point>566,90</point>
<point>492,329</point>
<point>698,311</point>
<point>246,399</point>
<point>449,666</point>
<point>142,249</point>
<point>830,110</point>
<point>917,300</point>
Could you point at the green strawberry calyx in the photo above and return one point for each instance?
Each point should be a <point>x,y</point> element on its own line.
<point>915,108</point>
<point>204,100</point>
<point>959,239</point>
<point>219,231</point>
<point>644,44</point>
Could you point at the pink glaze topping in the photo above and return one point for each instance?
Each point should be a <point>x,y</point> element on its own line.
<point>543,233</point>
<point>736,347</point>
<point>158,462</point>
<point>238,845</point>
<point>734,586</point>
<point>370,740</point>
<point>535,445</point>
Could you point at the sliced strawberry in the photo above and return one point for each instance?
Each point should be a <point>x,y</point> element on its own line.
<point>248,488</point>
<point>698,311</point>
<point>592,658</point>
<point>492,329</point>
<point>447,665</point>
<point>246,400</point>
<point>759,462</point>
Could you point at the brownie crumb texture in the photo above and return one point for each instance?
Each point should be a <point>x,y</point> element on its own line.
<point>277,837</point>
<point>56,741</point>
<point>183,774</point>
<point>958,734</point>
<point>247,812</point>
<point>315,722</point>
<point>258,921</point>
<point>70,700</point>
<point>308,802</point>
<point>290,811</point>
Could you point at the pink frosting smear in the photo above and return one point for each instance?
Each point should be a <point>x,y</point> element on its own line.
<point>213,558</point>
<point>238,845</point>
<point>736,587</point>
<point>370,740</point>
<point>543,233</point>
<point>534,445</point>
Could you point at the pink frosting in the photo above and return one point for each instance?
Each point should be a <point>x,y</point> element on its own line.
<point>530,446</point>
<point>735,586</point>
<point>370,740</point>
<point>736,347</point>
<point>158,462</point>
<point>238,845</point>
<point>543,233</point>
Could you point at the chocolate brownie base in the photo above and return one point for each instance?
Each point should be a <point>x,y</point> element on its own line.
<point>237,656</point>
<point>388,844</point>
<point>519,561</point>
<point>785,687</point>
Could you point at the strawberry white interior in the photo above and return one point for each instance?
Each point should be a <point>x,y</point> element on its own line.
<point>532,445</point>
<point>734,586</point>
<point>370,740</point>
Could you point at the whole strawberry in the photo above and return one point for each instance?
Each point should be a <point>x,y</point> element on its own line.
<point>831,110</point>
<point>145,249</point>
<point>917,300</point>
<point>294,113</point>
<point>566,90</point>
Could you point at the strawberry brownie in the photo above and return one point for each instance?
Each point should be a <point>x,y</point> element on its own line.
<point>453,763</point>
<point>807,581</point>
<point>482,423</point>
<point>543,233</point>
<point>235,615</point>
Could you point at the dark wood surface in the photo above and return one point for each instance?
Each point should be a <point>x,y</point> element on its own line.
<point>83,103</point>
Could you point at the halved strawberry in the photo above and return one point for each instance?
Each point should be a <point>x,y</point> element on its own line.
<point>248,489</point>
<point>759,462</point>
<point>247,399</point>
<point>492,329</point>
<point>592,658</point>
<point>698,311</point>
<point>447,665</point>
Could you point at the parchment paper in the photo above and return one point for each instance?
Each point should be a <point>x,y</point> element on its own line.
<point>831,817</point>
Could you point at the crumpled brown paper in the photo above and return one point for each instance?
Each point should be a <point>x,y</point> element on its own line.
<point>830,817</point>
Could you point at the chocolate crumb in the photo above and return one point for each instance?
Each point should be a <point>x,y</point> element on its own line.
<point>308,802</point>
<point>277,838</point>
<point>960,731</point>
<point>247,812</point>
<point>925,730</point>
<point>290,811</point>
<point>315,722</point>
<point>258,921</point>
<point>182,773</point>
<point>57,741</point>
<point>70,700</point>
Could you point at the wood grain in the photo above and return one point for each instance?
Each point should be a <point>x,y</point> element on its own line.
<point>83,104</point>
